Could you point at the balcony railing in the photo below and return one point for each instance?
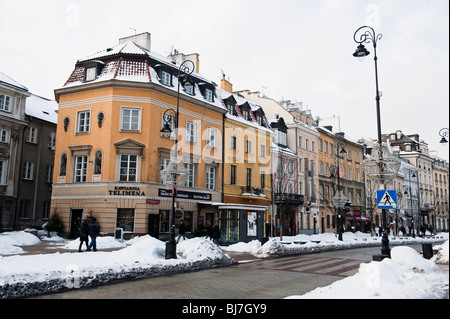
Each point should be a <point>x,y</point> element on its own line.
<point>288,198</point>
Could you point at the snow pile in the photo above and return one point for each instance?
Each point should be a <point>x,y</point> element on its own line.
<point>244,247</point>
<point>10,241</point>
<point>102,243</point>
<point>144,257</point>
<point>407,275</point>
<point>441,256</point>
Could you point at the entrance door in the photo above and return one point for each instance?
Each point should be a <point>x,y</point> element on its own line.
<point>153,225</point>
<point>75,223</point>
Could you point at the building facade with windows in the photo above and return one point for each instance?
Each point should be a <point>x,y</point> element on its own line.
<point>247,189</point>
<point>27,144</point>
<point>110,149</point>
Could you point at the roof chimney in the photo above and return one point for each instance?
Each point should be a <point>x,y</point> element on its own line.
<point>142,39</point>
<point>226,85</point>
<point>181,57</point>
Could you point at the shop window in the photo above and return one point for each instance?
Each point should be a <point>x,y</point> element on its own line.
<point>125,219</point>
<point>229,226</point>
<point>164,221</point>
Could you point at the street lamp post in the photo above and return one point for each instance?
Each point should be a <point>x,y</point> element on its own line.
<point>444,134</point>
<point>367,35</point>
<point>339,200</point>
<point>411,201</point>
<point>174,171</point>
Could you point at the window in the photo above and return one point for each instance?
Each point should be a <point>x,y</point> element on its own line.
<point>245,114</point>
<point>31,135</point>
<point>130,119</point>
<point>358,177</point>
<point>248,147</point>
<point>211,137</point>
<point>263,179</point>
<point>189,88</point>
<point>233,174</point>
<point>28,168</point>
<point>125,219</point>
<point>325,147</point>
<point>91,74</point>
<point>231,109</point>
<point>320,145</point>
<point>210,177</point>
<point>349,155</point>
<point>80,169</point>
<point>5,101</point>
<point>4,136</point>
<point>191,132</point>
<point>233,143</point>
<point>2,172</point>
<point>49,174</point>
<point>190,175</point>
<point>350,177</point>
<point>313,146</point>
<point>165,78</point>
<point>248,183</point>
<point>128,168</point>
<point>208,95</point>
<point>24,210</point>
<point>281,138</point>
<point>163,163</point>
<point>262,151</point>
<point>46,210</point>
<point>52,141</point>
<point>84,119</point>
<point>357,157</point>
<point>164,221</point>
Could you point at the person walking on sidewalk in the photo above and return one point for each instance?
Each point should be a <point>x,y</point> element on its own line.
<point>216,234</point>
<point>94,231</point>
<point>181,231</point>
<point>84,234</point>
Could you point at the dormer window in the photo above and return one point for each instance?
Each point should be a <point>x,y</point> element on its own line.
<point>91,74</point>
<point>189,88</point>
<point>208,95</point>
<point>165,78</point>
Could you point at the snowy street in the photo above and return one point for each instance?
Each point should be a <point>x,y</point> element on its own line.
<point>410,275</point>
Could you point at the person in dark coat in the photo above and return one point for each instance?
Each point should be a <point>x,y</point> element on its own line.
<point>181,231</point>
<point>209,231</point>
<point>94,231</point>
<point>216,234</point>
<point>84,234</point>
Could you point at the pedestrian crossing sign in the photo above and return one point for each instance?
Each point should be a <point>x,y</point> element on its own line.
<point>387,199</point>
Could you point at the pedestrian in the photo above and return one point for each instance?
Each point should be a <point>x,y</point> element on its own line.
<point>84,234</point>
<point>181,231</point>
<point>94,231</point>
<point>209,231</point>
<point>216,234</point>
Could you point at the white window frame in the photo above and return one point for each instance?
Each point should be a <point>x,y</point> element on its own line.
<point>208,95</point>
<point>262,150</point>
<point>190,180</point>
<point>248,147</point>
<point>91,74</point>
<point>211,137</point>
<point>52,140</point>
<point>31,135</point>
<point>210,177</point>
<point>165,78</point>
<point>28,170</point>
<point>5,103</point>
<point>191,131</point>
<point>4,136</point>
<point>127,171</point>
<point>282,138</point>
<point>2,172</point>
<point>80,169</point>
<point>83,125</point>
<point>189,88</point>
<point>134,119</point>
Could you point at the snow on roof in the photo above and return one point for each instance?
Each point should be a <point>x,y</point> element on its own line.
<point>41,108</point>
<point>10,82</point>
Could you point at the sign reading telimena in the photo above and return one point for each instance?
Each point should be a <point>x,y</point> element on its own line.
<point>126,191</point>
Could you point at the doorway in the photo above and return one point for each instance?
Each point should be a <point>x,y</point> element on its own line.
<point>75,222</point>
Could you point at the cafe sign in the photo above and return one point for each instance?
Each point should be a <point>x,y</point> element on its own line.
<point>126,191</point>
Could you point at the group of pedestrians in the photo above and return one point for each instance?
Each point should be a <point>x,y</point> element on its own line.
<point>87,230</point>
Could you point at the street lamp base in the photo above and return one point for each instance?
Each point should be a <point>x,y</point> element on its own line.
<point>171,249</point>
<point>379,257</point>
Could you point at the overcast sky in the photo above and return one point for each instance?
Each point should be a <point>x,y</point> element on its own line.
<point>293,49</point>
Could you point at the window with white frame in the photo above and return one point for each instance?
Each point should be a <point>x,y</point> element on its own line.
<point>211,137</point>
<point>248,147</point>
<point>165,78</point>
<point>4,136</point>
<point>208,95</point>
<point>191,132</point>
<point>28,169</point>
<point>2,172</point>
<point>83,121</point>
<point>357,157</point>
<point>91,74</point>
<point>281,138</point>
<point>31,135</point>
<point>128,168</point>
<point>190,175</point>
<point>52,140</point>
<point>5,102</point>
<point>49,174</point>
<point>358,176</point>
<point>262,150</point>
<point>210,177</point>
<point>80,175</point>
<point>130,119</point>
<point>163,163</point>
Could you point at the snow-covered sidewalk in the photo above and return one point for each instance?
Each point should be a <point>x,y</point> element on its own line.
<point>144,256</point>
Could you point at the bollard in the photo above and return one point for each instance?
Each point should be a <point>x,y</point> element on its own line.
<point>427,251</point>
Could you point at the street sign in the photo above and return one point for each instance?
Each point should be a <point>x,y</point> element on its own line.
<point>387,199</point>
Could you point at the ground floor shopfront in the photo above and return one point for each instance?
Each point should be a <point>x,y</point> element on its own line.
<point>135,208</point>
